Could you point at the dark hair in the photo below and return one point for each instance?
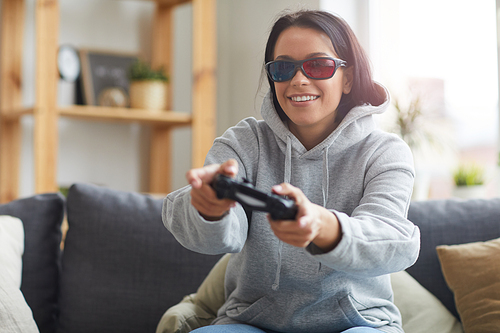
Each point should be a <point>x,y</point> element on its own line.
<point>347,47</point>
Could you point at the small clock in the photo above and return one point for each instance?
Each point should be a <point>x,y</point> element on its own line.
<point>68,63</point>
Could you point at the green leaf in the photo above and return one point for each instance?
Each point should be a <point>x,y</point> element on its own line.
<point>140,71</point>
<point>469,175</point>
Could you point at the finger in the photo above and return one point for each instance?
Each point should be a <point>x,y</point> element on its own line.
<point>302,226</point>
<point>299,242</point>
<point>209,204</point>
<point>296,239</point>
<point>294,193</point>
<point>229,168</point>
<point>207,193</point>
<point>196,177</point>
<point>283,225</point>
<point>209,210</point>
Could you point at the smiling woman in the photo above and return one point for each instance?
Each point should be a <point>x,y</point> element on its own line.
<point>327,269</point>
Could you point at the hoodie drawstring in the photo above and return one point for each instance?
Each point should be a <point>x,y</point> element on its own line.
<point>288,176</point>
<point>276,283</point>
<point>326,177</point>
<point>288,160</point>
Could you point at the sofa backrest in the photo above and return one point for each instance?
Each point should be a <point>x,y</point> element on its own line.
<point>121,268</point>
<point>449,222</point>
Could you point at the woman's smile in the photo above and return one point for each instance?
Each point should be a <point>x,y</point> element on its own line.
<point>302,100</point>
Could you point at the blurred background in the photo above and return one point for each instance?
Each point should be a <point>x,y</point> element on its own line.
<point>438,59</point>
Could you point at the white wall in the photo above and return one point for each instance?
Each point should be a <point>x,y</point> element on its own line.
<point>243,28</point>
<point>115,155</point>
<point>355,13</point>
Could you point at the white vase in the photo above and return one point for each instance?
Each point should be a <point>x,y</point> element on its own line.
<point>470,192</point>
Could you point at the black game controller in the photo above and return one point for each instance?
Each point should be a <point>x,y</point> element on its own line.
<point>248,196</point>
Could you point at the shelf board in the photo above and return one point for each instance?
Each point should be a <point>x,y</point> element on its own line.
<point>170,2</point>
<point>157,117</point>
<point>100,113</point>
<point>15,113</point>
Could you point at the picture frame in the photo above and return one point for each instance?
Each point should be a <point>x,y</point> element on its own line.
<point>103,69</point>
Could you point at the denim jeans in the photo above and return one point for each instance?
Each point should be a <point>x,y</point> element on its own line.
<point>242,328</point>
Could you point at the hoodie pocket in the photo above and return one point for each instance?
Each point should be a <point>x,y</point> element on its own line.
<point>360,314</point>
<point>246,312</point>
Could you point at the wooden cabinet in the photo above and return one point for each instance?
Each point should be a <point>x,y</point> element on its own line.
<point>46,111</point>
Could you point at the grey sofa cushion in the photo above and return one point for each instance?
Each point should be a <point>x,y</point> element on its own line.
<point>448,222</point>
<point>42,216</point>
<point>121,268</point>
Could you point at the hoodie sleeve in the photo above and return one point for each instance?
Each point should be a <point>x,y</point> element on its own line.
<point>228,235</point>
<point>377,238</point>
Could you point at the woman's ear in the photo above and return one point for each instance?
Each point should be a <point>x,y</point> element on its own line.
<point>347,80</point>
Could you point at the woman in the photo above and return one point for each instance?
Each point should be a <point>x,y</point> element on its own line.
<point>326,271</point>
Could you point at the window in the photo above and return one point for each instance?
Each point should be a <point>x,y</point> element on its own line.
<point>443,53</point>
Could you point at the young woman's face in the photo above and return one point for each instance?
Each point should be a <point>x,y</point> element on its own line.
<point>315,116</point>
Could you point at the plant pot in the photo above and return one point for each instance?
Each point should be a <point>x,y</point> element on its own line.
<point>150,95</point>
<point>470,192</point>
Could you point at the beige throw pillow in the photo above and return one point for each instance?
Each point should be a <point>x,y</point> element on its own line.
<point>472,271</point>
<point>11,248</point>
<point>15,314</point>
<point>421,311</point>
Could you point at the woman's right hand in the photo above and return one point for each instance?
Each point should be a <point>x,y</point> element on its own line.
<point>203,196</point>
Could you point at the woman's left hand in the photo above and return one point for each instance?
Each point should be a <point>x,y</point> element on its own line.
<point>313,223</point>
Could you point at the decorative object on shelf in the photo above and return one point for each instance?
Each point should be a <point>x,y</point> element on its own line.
<point>68,63</point>
<point>469,182</point>
<point>102,70</point>
<point>114,96</point>
<point>148,87</point>
<point>69,67</point>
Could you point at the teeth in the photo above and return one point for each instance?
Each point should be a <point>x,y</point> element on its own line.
<point>303,98</point>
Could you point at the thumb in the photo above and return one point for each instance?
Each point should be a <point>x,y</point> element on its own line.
<point>229,168</point>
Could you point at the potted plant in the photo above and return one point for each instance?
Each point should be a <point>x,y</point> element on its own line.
<point>148,87</point>
<point>412,124</point>
<point>469,182</point>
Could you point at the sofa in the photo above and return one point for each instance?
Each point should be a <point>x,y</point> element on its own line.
<point>119,269</point>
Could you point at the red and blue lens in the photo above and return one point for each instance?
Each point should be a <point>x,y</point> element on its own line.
<point>314,68</point>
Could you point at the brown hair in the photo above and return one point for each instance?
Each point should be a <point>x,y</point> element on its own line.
<point>347,47</point>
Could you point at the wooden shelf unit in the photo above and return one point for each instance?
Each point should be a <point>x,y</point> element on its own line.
<point>46,112</point>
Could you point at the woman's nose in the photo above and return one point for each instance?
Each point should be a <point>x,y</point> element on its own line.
<point>299,79</point>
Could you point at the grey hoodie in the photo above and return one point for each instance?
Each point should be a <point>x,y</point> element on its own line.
<point>362,175</point>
